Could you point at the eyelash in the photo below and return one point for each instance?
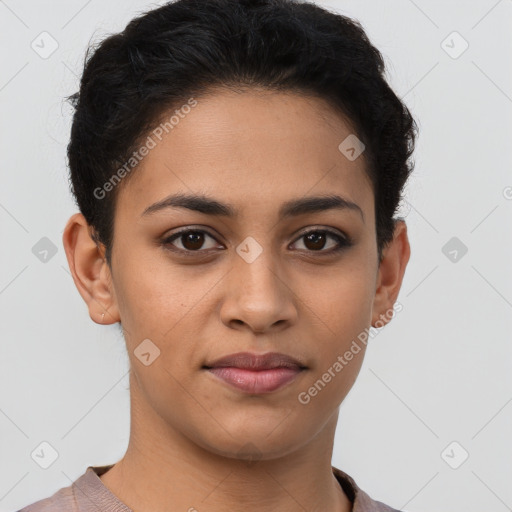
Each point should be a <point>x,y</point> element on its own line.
<point>343,241</point>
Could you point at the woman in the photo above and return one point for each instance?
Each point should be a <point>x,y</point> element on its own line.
<point>237,166</point>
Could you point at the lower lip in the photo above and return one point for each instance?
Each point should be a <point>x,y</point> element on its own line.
<point>252,381</point>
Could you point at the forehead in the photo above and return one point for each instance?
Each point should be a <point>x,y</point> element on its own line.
<point>255,149</point>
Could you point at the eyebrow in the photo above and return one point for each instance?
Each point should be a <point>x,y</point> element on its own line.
<point>292,208</point>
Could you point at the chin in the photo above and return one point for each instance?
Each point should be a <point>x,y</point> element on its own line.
<point>254,444</point>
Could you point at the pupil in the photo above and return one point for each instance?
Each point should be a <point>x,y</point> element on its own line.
<point>318,240</point>
<point>193,240</point>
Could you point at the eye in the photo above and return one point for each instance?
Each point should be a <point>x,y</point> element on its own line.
<point>315,241</point>
<point>191,240</point>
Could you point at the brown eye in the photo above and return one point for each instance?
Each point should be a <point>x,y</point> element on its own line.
<point>316,241</point>
<point>193,240</point>
<point>190,240</point>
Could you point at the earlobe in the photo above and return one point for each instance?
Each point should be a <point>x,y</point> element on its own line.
<point>390,275</point>
<point>89,270</point>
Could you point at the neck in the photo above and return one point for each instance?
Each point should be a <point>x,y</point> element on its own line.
<point>163,466</point>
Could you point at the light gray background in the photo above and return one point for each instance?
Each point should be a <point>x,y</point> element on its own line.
<point>439,372</point>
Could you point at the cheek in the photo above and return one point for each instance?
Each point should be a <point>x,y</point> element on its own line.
<point>339,351</point>
<point>340,316</point>
<point>164,305</point>
<point>341,301</point>
<point>151,298</point>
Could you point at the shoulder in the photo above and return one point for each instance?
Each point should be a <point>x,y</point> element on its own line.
<point>362,502</point>
<point>62,500</point>
<point>86,494</point>
<point>70,498</point>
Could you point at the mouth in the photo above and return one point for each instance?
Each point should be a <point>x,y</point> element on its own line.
<point>256,374</point>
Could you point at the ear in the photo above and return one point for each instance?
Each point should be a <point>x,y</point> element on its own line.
<point>391,272</point>
<point>89,270</point>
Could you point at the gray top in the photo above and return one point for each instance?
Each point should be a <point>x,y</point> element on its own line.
<point>89,494</point>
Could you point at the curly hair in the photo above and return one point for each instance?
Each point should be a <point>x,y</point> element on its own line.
<point>188,47</point>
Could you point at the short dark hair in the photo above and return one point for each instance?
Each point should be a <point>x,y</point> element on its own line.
<point>188,47</point>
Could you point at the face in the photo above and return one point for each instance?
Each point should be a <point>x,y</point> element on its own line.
<point>249,274</point>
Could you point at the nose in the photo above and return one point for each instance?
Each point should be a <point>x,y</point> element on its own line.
<point>258,296</point>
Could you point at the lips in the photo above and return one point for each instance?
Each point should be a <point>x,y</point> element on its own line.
<point>250,361</point>
<point>256,373</point>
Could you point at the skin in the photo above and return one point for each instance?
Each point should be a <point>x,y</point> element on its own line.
<point>254,150</point>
